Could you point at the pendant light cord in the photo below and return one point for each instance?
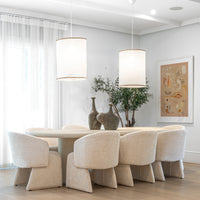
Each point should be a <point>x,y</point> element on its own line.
<point>71,16</point>
<point>132,21</point>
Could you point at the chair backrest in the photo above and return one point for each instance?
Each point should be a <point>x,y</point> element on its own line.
<point>170,145</point>
<point>28,151</point>
<point>52,142</point>
<point>74,127</point>
<point>138,148</point>
<point>173,127</point>
<point>97,151</point>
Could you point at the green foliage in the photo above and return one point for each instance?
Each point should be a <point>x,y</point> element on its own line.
<point>125,98</point>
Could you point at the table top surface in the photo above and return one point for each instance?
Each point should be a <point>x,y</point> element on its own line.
<point>77,133</point>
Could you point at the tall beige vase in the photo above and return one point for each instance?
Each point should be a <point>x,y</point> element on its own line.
<point>94,124</point>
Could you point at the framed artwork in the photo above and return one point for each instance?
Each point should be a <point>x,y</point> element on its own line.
<point>175,92</point>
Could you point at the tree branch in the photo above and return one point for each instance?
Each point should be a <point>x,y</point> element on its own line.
<point>117,113</point>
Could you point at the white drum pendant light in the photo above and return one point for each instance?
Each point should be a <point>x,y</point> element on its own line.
<point>132,70</point>
<point>132,67</point>
<point>71,56</point>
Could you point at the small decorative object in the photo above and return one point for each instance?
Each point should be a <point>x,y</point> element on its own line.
<point>94,124</point>
<point>109,120</point>
<point>124,100</point>
<point>176,90</point>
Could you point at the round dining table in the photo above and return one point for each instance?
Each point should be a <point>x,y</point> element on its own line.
<point>66,138</point>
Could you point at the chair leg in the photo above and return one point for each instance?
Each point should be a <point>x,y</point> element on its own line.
<point>174,169</point>
<point>22,176</point>
<point>158,171</point>
<point>46,177</point>
<point>105,177</point>
<point>124,175</point>
<point>143,173</point>
<point>77,178</point>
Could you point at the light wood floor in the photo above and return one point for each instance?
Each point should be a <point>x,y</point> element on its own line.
<point>172,189</point>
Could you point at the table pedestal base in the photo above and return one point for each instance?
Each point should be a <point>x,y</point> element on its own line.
<point>65,146</point>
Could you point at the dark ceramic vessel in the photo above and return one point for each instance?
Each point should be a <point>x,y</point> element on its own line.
<point>109,120</point>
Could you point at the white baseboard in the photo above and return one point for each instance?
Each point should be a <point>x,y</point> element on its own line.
<point>192,157</point>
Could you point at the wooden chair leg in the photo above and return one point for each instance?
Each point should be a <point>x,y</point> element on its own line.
<point>22,176</point>
<point>158,171</point>
<point>105,177</point>
<point>77,178</point>
<point>143,173</point>
<point>174,169</point>
<point>124,175</point>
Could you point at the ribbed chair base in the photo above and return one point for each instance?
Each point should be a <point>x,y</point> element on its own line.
<point>124,175</point>
<point>22,176</point>
<point>81,179</point>
<point>41,177</point>
<point>77,178</point>
<point>158,171</point>
<point>105,177</point>
<point>174,169</point>
<point>143,173</point>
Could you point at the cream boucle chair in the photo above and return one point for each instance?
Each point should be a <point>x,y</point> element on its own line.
<point>37,167</point>
<point>170,153</point>
<point>136,155</point>
<point>74,127</point>
<point>100,152</point>
<point>52,142</point>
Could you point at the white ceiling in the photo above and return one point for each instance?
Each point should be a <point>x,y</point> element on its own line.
<point>114,14</point>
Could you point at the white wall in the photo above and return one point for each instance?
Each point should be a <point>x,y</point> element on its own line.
<point>176,43</point>
<point>103,48</point>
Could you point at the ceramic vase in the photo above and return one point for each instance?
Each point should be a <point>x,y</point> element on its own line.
<point>94,124</point>
<point>109,120</point>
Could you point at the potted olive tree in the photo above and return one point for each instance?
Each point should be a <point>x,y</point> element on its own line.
<point>126,100</point>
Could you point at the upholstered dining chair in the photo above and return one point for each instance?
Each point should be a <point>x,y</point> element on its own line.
<point>38,167</point>
<point>74,126</point>
<point>99,152</point>
<point>52,142</point>
<point>170,153</point>
<point>136,155</point>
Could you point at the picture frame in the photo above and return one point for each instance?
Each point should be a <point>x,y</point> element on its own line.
<point>175,90</point>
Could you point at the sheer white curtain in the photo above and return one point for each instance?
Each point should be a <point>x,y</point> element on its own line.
<point>29,95</point>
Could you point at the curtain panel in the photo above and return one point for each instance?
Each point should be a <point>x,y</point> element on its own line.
<point>29,92</point>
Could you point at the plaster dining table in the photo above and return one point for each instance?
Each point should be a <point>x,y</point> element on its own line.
<point>66,139</point>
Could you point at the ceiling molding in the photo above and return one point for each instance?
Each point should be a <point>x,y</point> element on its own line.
<point>102,26</point>
<point>157,29</point>
<point>115,11</point>
<point>95,25</point>
<point>33,14</point>
<point>38,15</point>
<point>167,27</point>
<point>191,21</point>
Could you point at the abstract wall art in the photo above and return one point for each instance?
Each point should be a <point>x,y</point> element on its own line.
<point>176,90</point>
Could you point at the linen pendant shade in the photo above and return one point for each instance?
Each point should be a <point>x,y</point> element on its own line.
<point>71,55</point>
<point>132,68</point>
